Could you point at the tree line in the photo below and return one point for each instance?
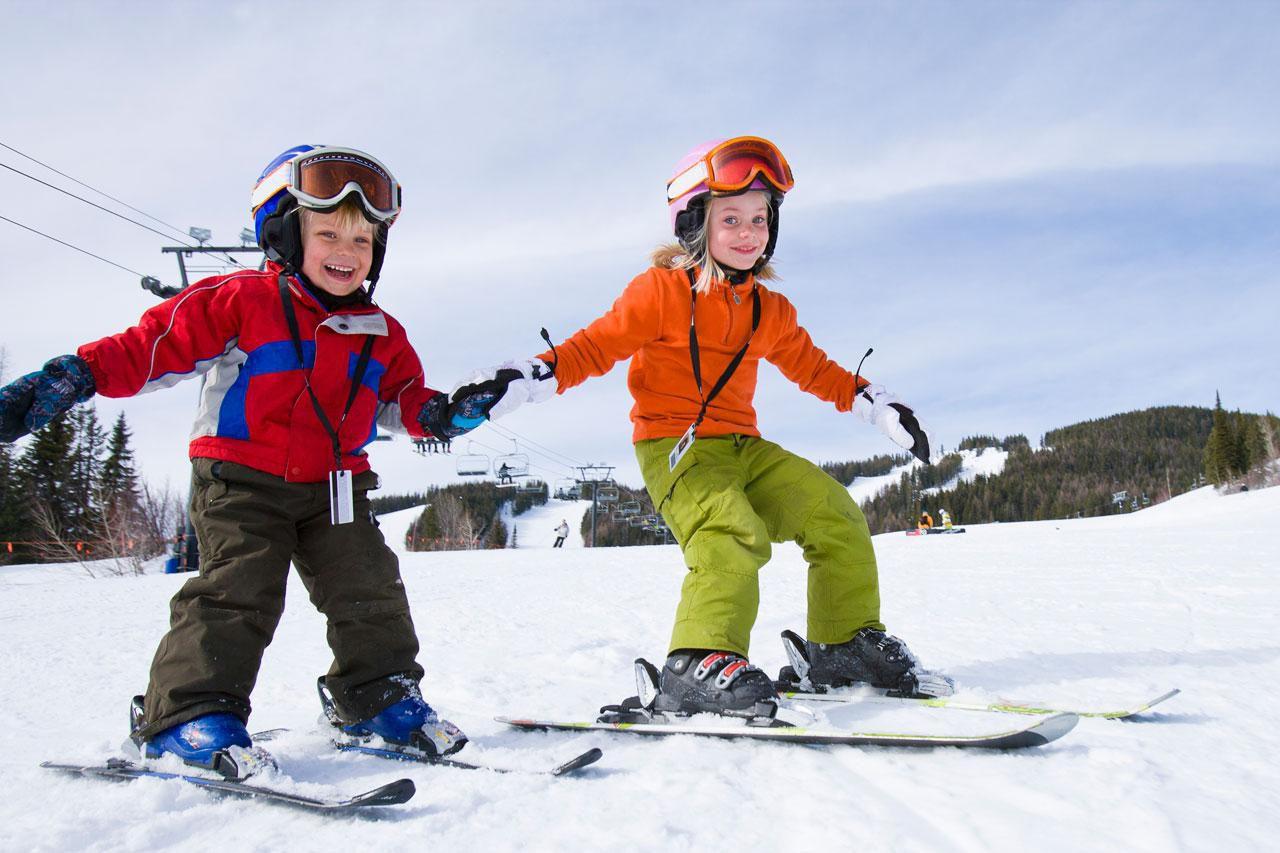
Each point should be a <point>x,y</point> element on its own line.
<point>466,516</point>
<point>1239,444</point>
<point>1099,467</point>
<point>72,493</point>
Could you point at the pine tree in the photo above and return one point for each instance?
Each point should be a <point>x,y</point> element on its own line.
<point>1253,446</point>
<point>11,514</point>
<point>1220,449</point>
<point>118,481</point>
<point>45,478</point>
<point>86,469</point>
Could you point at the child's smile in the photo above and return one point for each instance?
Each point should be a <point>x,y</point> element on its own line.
<point>336,254</point>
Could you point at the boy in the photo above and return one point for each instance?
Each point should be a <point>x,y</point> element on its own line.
<point>299,368</point>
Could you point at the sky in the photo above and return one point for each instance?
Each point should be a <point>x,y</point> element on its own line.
<point>1037,214</point>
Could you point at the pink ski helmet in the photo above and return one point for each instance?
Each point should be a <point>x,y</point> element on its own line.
<point>726,167</point>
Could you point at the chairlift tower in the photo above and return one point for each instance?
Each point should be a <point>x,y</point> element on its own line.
<point>600,479</point>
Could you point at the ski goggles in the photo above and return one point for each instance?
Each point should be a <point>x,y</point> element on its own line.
<point>732,166</point>
<point>322,178</point>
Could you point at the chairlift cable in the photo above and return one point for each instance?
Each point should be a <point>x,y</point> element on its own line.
<point>498,452</point>
<point>94,189</point>
<point>508,453</point>
<point>72,246</point>
<point>143,225</point>
<point>549,453</point>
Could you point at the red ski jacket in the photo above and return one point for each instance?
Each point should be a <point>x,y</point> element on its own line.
<point>254,407</point>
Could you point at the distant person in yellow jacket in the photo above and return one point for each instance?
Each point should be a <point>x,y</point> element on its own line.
<point>946,520</point>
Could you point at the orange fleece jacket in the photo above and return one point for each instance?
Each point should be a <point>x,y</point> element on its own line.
<point>649,323</point>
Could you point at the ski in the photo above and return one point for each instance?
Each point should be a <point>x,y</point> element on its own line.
<point>591,756</point>
<point>793,680</point>
<point>394,753</point>
<point>1037,733</point>
<point>390,794</point>
<point>871,694</point>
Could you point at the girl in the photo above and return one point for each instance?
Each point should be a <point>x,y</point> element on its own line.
<point>696,325</point>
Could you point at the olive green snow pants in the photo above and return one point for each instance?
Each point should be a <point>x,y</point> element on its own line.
<point>729,497</point>
<point>250,524</point>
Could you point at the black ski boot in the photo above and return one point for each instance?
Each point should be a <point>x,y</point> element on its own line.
<point>695,681</point>
<point>871,657</point>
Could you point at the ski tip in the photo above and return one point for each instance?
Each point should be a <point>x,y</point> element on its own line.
<point>591,756</point>
<point>1145,706</point>
<point>1050,728</point>
<point>390,794</point>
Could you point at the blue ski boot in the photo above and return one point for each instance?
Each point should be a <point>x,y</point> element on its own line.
<point>218,742</point>
<point>410,723</point>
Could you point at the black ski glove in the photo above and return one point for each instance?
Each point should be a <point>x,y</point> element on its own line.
<point>29,403</point>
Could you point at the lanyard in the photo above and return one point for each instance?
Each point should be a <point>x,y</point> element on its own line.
<point>361,365</point>
<point>693,347</point>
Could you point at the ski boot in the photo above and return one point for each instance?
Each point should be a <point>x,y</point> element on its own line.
<point>218,742</point>
<point>410,724</point>
<point>696,681</point>
<point>871,657</point>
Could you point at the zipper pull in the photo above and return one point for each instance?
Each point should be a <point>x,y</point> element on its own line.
<point>736,299</point>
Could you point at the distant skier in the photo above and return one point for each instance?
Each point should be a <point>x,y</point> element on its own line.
<point>926,520</point>
<point>946,519</point>
<point>562,533</point>
<point>504,474</point>
<point>725,492</point>
<point>297,364</point>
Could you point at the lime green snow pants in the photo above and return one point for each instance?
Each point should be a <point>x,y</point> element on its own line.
<point>728,499</point>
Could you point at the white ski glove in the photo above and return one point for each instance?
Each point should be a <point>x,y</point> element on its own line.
<point>876,405</point>
<point>511,384</point>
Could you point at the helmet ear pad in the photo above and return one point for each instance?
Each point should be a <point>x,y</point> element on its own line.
<point>691,220</point>
<point>282,238</point>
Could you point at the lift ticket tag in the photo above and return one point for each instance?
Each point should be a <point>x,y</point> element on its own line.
<point>682,446</point>
<point>341,500</point>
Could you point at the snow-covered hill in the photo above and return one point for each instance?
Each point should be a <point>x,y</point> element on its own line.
<point>983,462</point>
<point>1104,609</point>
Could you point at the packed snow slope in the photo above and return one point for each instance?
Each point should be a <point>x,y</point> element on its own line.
<point>1102,611</point>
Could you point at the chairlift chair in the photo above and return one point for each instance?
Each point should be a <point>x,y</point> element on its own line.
<point>530,487</point>
<point>606,494</point>
<point>630,508</point>
<point>509,466</point>
<point>472,464</point>
<point>636,521</point>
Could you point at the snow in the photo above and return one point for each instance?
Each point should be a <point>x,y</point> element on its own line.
<point>983,462</point>
<point>866,488</point>
<point>536,526</point>
<point>1102,611</point>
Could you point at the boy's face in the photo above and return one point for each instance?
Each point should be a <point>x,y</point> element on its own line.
<point>336,257</point>
<point>738,229</point>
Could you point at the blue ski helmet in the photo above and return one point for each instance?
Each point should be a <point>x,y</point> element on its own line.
<point>275,196</point>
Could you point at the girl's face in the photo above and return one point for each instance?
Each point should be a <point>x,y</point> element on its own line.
<point>738,229</point>
<point>336,257</point>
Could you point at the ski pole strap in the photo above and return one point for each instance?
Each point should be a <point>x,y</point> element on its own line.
<point>693,346</point>
<point>362,364</point>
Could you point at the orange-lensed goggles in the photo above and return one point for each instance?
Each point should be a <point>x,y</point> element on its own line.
<point>322,178</point>
<point>732,166</point>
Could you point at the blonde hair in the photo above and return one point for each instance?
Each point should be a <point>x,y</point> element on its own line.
<point>349,213</point>
<point>674,256</point>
